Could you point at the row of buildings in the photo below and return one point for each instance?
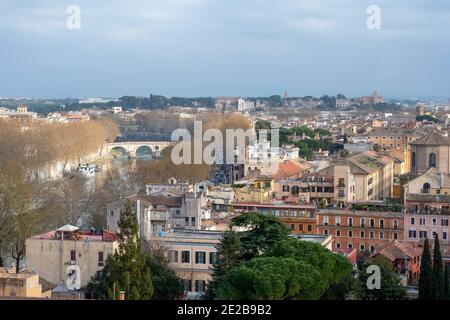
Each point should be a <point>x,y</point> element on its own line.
<point>367,202</point>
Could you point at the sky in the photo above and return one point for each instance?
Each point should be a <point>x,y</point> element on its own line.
<point>224,47</point>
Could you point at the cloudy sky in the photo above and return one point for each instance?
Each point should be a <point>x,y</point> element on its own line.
<point>224,47</point>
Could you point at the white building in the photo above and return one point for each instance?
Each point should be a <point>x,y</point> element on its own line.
<point>244,105</point>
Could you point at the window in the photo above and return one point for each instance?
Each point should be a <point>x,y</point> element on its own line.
<point>350,246</point>
<point>111,213</point>
<point>73,255</point>
<point>363,222</point>
<point>325,220</point>
<point>193,221</point>
<point>370,181</point>
<point>101,261</point>
<point>300,227</point>
<point>185,256</point>
<point>213,257</point>
<point>309,228</point>
<point>200,257</point>
<point>381,235</point>
<point>412,233</point>
<point>413,160</point>
<point>341,183</point>
<point>413,221</point>
<point>286,188</point>
<point>422,221</point>
<point>173,256</point>
<point>341,193</point>
<point>426,188</point>
<point>372,235</point>
<point>434,221</point>
<point>432,160</point>
<point>362,247</point>
<point>395,236</point>
<point>186,220</point>
<point>338,245</point>
<point>325,232</point>
<point>362,234</point>
<point>422,234</point>
<point>444,235</point>
<point>338,233</point>
<point>372,223</point>
<point>444,222</point>
<point>338,221</point>
<point>187,284</point>
<point>395,224</point>
<point>200,285</point>
<point>350,234</point>
<point>350,222</point>
<point>381,224</point>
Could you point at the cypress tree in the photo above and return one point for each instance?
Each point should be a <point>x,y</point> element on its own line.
<point>438,274</point>
<point>446,289</point>
<point>125,270</point>
<point>425,288</point>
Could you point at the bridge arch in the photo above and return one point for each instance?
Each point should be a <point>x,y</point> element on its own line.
<point>144,152</point>
<point>119,152</point>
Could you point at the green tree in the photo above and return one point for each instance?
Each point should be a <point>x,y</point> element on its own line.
<point>344,153</point>
<point>425,280</point>
<point>438,272</point>
<point>263,232</point>
<point>376,147</point>
<point>166,283</point>
<point>229,255</point>
<point>126,269</point>
<point>391,288</point>
<point>446,289</point>
<point>322,203</point>
<point>271,278</point>
<point>332,267</point>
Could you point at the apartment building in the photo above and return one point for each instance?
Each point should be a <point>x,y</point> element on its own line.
<point>335,184</point>
<point>23,285</point>
<point>374,175</point>
<point>393,137</point>
<point>162,211</point>
<point>363,230</point>
<point>299,218</point>
<point>56,255</point>
<point>427,207</point>
<point>191,254</point>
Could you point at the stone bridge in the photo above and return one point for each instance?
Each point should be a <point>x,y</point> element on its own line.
<point>134,148</point>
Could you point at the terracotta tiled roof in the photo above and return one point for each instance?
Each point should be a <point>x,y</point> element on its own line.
<point>368,162</point>
<point>432,139</point>
<point>398,250</point>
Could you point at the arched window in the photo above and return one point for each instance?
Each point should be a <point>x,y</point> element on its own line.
<point>432,160</point>
<point>413,160</point>
<point>426,188</point>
